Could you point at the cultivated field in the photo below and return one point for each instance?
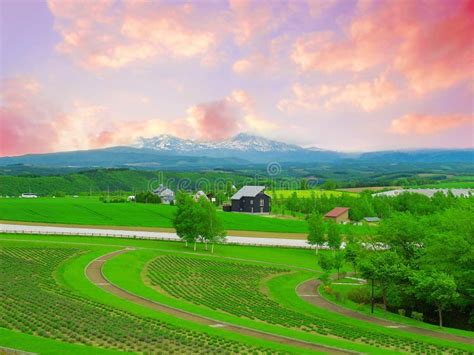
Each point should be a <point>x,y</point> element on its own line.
<point>250,287</point>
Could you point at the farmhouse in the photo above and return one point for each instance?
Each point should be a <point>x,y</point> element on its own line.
<point>166,195</point>
<point>251,199</point>
<point>338,215</point>
<point>200,194</point>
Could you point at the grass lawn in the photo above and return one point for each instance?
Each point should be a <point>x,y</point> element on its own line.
<point>308,193</point>
<point>344,301</point>
<point>448,185</point>
<point>90,211</point>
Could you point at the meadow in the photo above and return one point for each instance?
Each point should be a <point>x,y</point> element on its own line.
<point>243,285</point>
<point>90,211</point>
<point>308,193</point>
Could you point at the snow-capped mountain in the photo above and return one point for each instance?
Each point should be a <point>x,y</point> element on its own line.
<point>242,142</point>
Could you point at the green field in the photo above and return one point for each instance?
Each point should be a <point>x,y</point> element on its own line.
<point>259,282</point>
<point>309,193</point>
<point>450,185</point>
<point>90,211</point>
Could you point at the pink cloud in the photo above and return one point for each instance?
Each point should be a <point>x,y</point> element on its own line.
<point>223,118</point>
<point>254,19</point>
<point>430,43</point>
<point>415,124</point>
<point>25,118</point>
<point>113,35</point>
<point>440,54</point>
<point>215,120</point>
<point>366,95</point>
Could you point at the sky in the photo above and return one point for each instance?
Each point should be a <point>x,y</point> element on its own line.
<point>345,75</point>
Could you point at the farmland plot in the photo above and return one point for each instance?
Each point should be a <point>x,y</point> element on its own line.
<point>33,303</point>
<point>236,288</point>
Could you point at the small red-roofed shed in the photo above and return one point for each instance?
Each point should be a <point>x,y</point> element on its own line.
<point>338,215</point>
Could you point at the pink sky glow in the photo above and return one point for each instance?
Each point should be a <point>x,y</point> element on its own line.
<point>336,74</point>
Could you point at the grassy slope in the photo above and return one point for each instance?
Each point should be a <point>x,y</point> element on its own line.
<point>126,271</point>
<point>379,313</point>
<point>71,275</point>
<point>119,270</point>
<point>281,288</point>
<point>90,211</point>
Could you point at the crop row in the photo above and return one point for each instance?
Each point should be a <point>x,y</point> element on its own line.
<point>235,288</point>
<point>33,303</point>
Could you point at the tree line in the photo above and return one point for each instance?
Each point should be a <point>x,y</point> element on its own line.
<point>365,205</point>
<point>418,264</point>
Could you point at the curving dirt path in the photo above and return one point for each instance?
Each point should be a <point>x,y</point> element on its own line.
<point>94,273</point>
<point>309,291</point>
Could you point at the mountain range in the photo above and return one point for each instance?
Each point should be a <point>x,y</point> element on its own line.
<point>166,151</point>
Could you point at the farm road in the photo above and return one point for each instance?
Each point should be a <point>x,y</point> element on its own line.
<point>309,291</point>
<point>94,273</point>
<point>140,234</point>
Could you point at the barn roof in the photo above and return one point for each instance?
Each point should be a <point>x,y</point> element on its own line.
<point>248,191</point>
<point>336,212</point>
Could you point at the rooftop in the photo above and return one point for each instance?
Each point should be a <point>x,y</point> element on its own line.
<point>248,191</point>
<point>336,212</point>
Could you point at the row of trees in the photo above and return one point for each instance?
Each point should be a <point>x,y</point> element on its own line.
<point>365,205</point>
<point>197,221</point>
<point>420,264</point>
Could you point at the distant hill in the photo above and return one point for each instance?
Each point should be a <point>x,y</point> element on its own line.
<point>169,152</point>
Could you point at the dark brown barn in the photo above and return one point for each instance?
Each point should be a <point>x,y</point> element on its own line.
<point>251,199</point>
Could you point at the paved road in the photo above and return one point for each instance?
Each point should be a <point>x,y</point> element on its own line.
<point>309,291</point>
<point>23,228</point>
<point>96,276</point>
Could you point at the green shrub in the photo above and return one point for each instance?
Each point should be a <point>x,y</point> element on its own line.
<point>328,289</point>
<point>359,295</point>
<point>402,312</point>
<point>417,316</point>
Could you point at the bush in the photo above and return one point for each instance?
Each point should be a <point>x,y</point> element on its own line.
<point>359,295</point>
<point>147,197</point>
<point>328,289</point>
<point>402,312</point>
<point>325,278</point>
<point>417,316</point>
<point>339,297</point>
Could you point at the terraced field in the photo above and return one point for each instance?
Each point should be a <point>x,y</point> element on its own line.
<point>236,288</point>
<point>50,304</point>
<point>33,303</point>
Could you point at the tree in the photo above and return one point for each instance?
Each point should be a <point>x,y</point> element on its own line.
<point>186,219</point>
<point>316,234</point>
<point>209,225</point>
<point>338,262</point>
<point>404,233</point>
<point>384,267</point>
<point>334,236</point>
<point>352,253</point>
<point>437,288</point>
<point>329,185</point>
<point>326,262</point>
